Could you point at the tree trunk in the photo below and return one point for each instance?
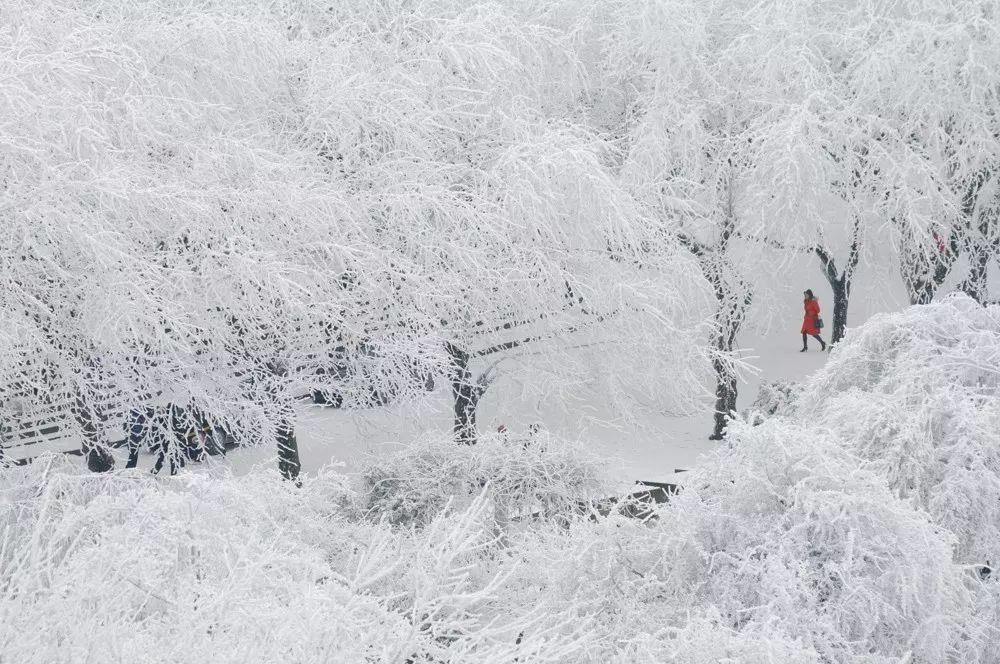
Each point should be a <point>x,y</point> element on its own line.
<point>840,282</point>
<point>733,297</point>
<point>977,286</point>
<point>841,298</point>
<point>920,291</point>
<point>983,237</point>
<point>923,272</point>
<point>289,464</point>
<point>725,398</point>
<point>729,317</point>
<point>466,396</point>
<point>4,433</point>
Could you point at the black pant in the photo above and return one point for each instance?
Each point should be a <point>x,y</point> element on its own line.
<point>139,424</point>
<point>151,426</point>
<point>805,338</point>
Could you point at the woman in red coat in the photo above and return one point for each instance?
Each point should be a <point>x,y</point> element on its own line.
<point>811,323</point>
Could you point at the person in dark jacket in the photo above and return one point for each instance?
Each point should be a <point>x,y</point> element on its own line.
<point>139,421</point>
<point>811,322</point>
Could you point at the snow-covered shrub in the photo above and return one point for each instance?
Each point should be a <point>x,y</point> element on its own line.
<point>917,395</point>
<point>781,548</point>
<point>774,398</point>
<point>983,624</point>
<point>128,567</point>
<point>536,474</point>
<point>707,640</point>
<point>783,530</point>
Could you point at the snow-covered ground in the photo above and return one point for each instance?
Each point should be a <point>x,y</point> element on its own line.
<point>664,443</point>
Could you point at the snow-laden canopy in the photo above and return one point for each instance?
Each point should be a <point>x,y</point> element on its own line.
<point>164,236</point>
<point>208,202</point>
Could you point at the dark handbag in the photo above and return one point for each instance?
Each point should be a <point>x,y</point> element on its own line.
<point>819,323</point>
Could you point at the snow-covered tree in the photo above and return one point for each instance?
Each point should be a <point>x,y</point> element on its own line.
<point>929,70</point>
<point>689,109</point>
<point>803,117</point>
<point>457,128</point>
<point>166,238</point>
<point>296,200</point>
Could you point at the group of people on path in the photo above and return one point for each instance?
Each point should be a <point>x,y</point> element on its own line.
<point>176,434</point>
<point>812,323</point>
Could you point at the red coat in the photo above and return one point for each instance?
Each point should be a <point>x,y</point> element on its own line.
<point>812,313</point>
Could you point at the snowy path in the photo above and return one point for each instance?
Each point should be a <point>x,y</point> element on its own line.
<point>653,452</point>
<point>666,444</point>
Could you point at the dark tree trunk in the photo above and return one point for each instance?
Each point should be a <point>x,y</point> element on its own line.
<point>920,289</point>
<point>466,396</point>
<point>982,239</point>
<point>289,464</point>
<point>977,285</point>
<point>729,316</point>
<point>920,292</point>
<point>840,282</point>
<point>725,398</point>
<point>841,298</point>
<point>733,297</point>
<point>924,270</point>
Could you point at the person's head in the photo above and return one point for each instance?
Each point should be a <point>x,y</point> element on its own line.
<point>808,294</point>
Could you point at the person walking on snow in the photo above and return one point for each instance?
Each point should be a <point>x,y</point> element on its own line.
<point>811,323</point>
